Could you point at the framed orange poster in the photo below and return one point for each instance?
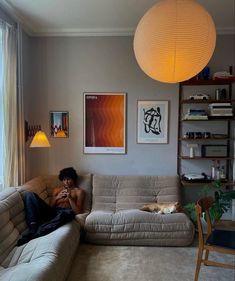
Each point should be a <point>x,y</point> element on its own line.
<point>105,123</point>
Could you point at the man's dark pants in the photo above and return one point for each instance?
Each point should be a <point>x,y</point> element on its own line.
<point>42,218</point>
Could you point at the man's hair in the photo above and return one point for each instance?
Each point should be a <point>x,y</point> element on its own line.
<point>69,173</point>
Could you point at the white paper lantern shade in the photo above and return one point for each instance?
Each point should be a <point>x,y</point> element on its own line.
<point>174,40</point>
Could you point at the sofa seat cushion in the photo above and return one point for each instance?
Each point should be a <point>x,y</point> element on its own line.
<point>136,227</point>
<point>44,258</point>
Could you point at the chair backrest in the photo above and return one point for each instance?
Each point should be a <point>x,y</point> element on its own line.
<point>202,207</point>
<point>205,203</point>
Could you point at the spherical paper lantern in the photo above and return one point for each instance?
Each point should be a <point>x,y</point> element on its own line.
<point>174,40</point>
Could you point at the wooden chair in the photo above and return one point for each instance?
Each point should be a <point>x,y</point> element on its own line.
<point>222,241</point>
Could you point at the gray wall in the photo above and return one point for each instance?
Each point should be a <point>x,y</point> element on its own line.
<point>60,70</point>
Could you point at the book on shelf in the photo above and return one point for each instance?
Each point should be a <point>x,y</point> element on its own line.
<point>196,111</point>
<point>195,117</point>
<point>221,110</point>
<point>219,114</point>
<point>220,104</point>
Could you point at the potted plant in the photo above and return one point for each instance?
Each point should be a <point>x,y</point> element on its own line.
<point>222,201</point>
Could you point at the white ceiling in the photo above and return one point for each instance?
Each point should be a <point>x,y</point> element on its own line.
<point>100,17</point>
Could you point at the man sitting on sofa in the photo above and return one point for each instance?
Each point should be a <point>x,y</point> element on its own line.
<point>66,202</point>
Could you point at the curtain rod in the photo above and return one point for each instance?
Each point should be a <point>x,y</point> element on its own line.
<point>5,18</point>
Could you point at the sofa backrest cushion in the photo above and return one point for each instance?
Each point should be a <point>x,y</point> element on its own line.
<point>44,185</point>
<point>12,220</point>
<point>116,193</point>
<point>84,181</point>
<point>37,185</point>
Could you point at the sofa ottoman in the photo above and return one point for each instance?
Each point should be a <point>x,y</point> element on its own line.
<point>116,218</point>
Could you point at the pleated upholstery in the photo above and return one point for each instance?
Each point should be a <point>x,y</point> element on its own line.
<point>12,222</point>
<point>43,186</point>
<point>116,219</point>
<point>115,193</point>
<point>42,259</point>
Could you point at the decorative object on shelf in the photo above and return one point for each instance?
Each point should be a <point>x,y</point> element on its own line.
<point>206,73</point>
<point>222,201</point>
<point>40,140</point>
<point>192,147</point>
<point>223,75</point>
<point>196,177</point>
<point>222,109</point>
<point>59,124</point>
<point>214,150</point>
<point>197,135</point>
<point>152,121</point>
<point>217,94</point>
<point>216,170</point>
<point>105,123</point>
<point>199,96</point>
<point>196,114</point>
<point>219,136</point>
<point>222,174</point>
<point>174,40</point>
<point>223,94</point>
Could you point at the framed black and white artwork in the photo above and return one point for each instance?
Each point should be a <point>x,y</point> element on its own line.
<point>152,121</point>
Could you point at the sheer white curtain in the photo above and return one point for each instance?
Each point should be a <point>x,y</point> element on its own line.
<point>1,113</point>
<point>20,109</point>
<point>9,106</point>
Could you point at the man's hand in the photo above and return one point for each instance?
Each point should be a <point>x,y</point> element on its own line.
<point>69,194</point>
<point>63,194</point>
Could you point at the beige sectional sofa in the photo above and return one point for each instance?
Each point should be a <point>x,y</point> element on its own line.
<point>45,258</point>
<point>112,216</point>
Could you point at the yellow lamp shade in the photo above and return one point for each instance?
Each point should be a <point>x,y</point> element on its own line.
<point>174,40</point>
<point>40,140</point>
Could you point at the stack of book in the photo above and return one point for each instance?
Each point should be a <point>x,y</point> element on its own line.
<point>221,109</point>
<point>196,114</point>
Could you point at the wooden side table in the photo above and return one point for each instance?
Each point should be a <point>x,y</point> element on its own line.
<point>225,225</point>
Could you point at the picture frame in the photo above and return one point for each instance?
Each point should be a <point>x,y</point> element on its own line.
<point>152,121</point>
<point>59,124</point>
<point>104,123</point>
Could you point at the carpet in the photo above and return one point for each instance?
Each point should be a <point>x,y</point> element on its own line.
<point>136,263</point>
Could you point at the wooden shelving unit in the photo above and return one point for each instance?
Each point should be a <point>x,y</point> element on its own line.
<point>207,82</point>
<point>196,184</point>
<point>188,101</point>
<point>205,158</point>
<point>225,140</point>
<point>209,119</point>
<point>204,139</point>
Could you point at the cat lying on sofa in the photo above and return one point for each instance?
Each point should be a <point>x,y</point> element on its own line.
<point>162,208</point>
